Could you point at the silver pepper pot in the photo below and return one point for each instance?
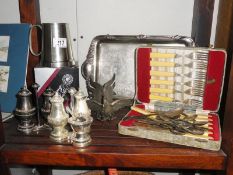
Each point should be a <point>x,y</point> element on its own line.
<point>25,110</point>
<point>80,105</point>
<point>81,128</point>
<point>46,106</point>
<point>58,118</point>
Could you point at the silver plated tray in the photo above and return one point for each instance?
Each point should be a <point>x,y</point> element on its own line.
<point>115,54</point>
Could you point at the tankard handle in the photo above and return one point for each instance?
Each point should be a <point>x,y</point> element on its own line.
<point>30,41</point>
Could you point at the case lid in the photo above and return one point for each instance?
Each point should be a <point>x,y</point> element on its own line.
<point>187,76</point>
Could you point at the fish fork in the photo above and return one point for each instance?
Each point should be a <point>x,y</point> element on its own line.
<point>194,74</point>
<point>194,92</point>
<point>191,91</point>
<point>192,83</point>
<point>194,102</point>
<point>194,64</point>
<point>198,55</point>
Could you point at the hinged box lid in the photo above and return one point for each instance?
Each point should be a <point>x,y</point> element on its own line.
<point>174,76</point>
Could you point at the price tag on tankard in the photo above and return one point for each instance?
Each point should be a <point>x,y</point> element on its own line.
<point>59,42</point>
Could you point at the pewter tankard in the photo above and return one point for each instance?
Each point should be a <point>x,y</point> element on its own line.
<point>56,50</point>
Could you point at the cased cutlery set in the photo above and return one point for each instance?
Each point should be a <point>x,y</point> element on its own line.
<point>178,89</point>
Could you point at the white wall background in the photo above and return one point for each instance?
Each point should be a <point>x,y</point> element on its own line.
<point>130,17</point>
<point>214,22</point>
<point>9,11</point>
<point>88,18</point>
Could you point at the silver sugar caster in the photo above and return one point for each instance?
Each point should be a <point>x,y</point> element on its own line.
<point>58,118</point>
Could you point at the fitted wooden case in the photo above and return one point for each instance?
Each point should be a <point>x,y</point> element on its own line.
<point>173,77</point>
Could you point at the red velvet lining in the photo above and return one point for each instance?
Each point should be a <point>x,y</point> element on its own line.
<point>143,74</point>
<point>130,122</point>
<point>215,125</point>
<point>215,70</point>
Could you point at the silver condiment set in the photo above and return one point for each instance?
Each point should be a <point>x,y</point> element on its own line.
<point>80,120</point>
<point>53,110</point>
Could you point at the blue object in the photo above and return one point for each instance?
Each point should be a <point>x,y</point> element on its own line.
<point>16,60</point>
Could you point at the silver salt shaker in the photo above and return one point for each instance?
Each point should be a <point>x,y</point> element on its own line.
<point>25,110</point>
<point>81,127</point>
<point>46,106</point>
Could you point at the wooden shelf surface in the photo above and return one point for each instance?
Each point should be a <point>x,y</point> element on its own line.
<point>108,149</point>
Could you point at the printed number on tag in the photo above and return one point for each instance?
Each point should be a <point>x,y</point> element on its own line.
<point>59,42</point>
